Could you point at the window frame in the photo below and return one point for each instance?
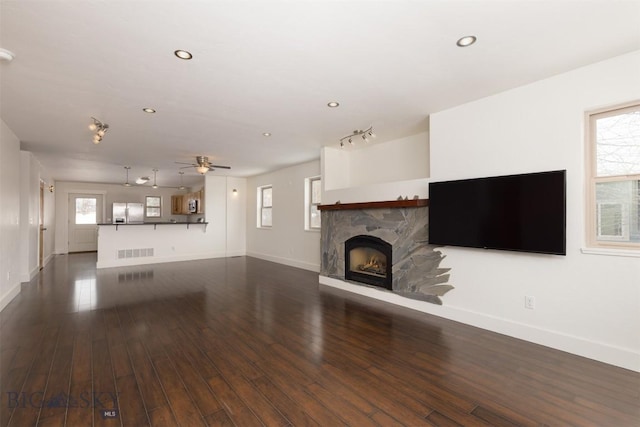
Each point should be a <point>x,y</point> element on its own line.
<point>593,238</point>
<point>308,202</point>
<point>75,217</point>
<point>261,207</point>
<point>147,206</point>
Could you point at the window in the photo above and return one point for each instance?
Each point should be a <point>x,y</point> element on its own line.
<point>153,207</point>
<point>86,212</point>
<point>312,192</point>
<point>265,206</point>
<point>614,178</point>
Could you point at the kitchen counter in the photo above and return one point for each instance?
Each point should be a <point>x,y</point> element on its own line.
<point>152,242</point>
<point>154,223</point>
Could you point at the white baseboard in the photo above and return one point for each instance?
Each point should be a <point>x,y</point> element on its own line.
<point>613,355</point>
<point>287,261</point>
<point>9,296</point>
<point>26,277</point>
<point>47,259</point>
<point>236,253</point>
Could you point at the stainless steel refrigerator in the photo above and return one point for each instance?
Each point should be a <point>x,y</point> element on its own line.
<point>128,213</point>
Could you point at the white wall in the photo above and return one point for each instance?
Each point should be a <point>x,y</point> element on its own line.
<point>29,215</point>
<point>224,235</point>
<point>236,216</point>
<point>586,304</point>
<point>287,242</point>
<point>376,172</point>
<point>49,218</point>
<point>9,215</point>
<point>31,173</point>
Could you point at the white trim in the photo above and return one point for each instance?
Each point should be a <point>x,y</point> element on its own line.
<point>287,261</point>
<point>592,206</point>
<point>236,253</point>
<point>611,252</point>
<point>27,277</point>
<point>9,296</point>
<point>602,352</point>
<point>308,195</point>
<point>261,206</point>
<point>47,259</point>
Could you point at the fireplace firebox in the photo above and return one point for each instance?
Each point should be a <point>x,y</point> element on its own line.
<point>368,260</point>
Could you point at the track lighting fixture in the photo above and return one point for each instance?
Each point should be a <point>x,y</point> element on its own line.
<point>99,128</point>
<point>364,134</point>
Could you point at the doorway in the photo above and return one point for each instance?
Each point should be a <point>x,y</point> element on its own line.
<point>85,212</point>
<point>41,228</point>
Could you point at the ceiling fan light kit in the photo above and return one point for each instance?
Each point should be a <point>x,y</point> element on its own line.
<point>202,165</point>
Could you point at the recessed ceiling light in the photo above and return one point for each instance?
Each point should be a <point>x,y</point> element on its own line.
<point>149,110</point>
<point>466,41</point>
<point>183,54</point>
<point>333,104</point>
<point>266,134</point>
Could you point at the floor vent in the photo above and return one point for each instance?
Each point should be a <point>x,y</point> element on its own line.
<point>134,253</point>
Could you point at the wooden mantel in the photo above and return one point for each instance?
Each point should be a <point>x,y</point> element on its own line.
<point>413,203</point>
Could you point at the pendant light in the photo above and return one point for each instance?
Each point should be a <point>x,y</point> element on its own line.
<point>126,184</point>
<point>154,179</point>
<point>181,184</point>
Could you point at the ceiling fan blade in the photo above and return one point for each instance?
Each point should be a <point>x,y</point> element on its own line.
<point>183,163</point>
<point>219,167</point>
<point>190,166</point>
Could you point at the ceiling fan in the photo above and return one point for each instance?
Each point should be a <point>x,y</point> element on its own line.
<point>202,165</point>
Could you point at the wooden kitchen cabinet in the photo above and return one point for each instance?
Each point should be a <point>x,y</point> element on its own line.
<point>180,203</point>
<point>200,199</point>
<point>177,205</point>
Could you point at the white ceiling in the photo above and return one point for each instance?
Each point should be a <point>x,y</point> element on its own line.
<point>270,66</point>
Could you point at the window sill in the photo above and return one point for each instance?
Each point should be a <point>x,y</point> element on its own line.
<point>313,230</point>
<point>611,252</point>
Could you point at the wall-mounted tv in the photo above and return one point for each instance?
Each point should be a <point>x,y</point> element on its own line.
<point>524,212</point>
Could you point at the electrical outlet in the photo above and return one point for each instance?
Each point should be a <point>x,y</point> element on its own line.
<point>529,302</point>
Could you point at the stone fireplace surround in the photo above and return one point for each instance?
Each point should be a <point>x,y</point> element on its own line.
<point>415,264</point>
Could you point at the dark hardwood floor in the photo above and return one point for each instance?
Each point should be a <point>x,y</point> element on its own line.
<point>245,342</point>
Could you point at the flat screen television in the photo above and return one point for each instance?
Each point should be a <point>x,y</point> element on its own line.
<point>524,212</point>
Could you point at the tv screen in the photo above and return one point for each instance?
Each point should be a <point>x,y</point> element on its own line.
<point>524,212</point>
